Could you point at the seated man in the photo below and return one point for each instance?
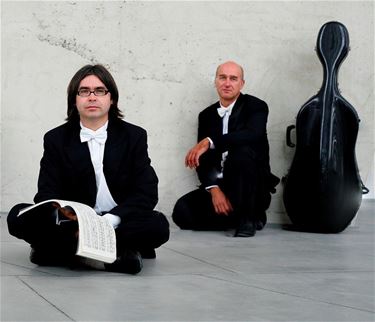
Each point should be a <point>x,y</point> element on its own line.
<point>100,160</point>
<point>232,161</point>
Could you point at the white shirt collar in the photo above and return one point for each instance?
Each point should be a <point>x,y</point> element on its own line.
<point>99,130</point>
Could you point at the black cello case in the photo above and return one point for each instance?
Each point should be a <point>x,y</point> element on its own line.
<point>323,188</point>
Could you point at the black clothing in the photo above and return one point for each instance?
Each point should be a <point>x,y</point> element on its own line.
<point>66,172</point>
<point>247,179</point>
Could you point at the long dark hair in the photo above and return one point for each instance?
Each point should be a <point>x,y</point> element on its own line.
<point>104,75</point>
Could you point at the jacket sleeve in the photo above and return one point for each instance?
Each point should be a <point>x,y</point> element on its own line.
<point>50,181</point>
<point>209,162</point>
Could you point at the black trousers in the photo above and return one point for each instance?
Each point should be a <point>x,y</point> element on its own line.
<point>244,183</point>
<point>140,231</point>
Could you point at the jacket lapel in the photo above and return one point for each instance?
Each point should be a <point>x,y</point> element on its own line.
<point>235,115</point>
<point>78,153</point>
<point>217,121</point>
<point>78,157</point>
<point>114,147</point>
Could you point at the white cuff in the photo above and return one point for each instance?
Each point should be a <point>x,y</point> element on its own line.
<point>212,145</point>
<point>209,187</point>
<point>113,219</point>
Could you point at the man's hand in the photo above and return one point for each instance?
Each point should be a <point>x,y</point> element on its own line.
<point>220,201</point>
<point>69,214</point>
<point>192,158</point>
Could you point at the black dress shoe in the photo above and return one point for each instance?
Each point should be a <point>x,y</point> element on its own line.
<point>129,262</point>
<point>148,253</point>
<point>260,220</point>
<point>245,229</point>
<point>259,225</point>
<point>43,257</point>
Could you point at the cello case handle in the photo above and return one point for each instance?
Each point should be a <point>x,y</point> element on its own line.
<point>365,190</point>
<point>288,139</point>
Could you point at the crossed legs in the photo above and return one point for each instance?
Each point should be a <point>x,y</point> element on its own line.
<point>141,231</point>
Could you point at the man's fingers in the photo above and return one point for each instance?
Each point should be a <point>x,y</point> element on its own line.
<point>222,209</point>
<point>196,160</point>
<point>56,205</point>
<point>219,210</point>
<point>187,160</point>
<point>225,210</point>
<point>192,159</point>
<point>68,213</point>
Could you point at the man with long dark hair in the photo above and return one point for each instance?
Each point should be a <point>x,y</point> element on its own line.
<point>98,159</point>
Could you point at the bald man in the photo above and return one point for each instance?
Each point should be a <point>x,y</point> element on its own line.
<point>232,162</point>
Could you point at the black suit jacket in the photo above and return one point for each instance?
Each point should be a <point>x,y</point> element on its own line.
<point>246,130</point>
<point>66,171</point>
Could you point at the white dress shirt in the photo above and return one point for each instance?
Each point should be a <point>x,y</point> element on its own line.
<point>225,113</point>
<point>96,143</point>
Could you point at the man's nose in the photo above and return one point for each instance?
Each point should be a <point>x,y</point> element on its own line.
<point>92,96</point>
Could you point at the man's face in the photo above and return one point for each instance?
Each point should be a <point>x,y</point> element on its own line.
<point>229,82</point>
<point>93,108</point>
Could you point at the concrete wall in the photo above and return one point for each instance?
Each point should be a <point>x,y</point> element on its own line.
<point>163,56</point>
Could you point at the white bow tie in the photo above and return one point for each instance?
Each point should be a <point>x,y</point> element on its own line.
<point>100,137</point>
<point>223,110</point>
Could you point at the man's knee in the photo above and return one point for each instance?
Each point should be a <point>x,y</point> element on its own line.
<point>13,220</point>
<point>155,231</point>
<point>161,228</point>
<point>181,214</point>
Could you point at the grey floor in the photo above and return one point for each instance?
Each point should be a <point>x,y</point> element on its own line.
<point>207,276</point>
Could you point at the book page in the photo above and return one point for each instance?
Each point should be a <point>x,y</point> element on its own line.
<point>22,211</point>
<point>97,238</point>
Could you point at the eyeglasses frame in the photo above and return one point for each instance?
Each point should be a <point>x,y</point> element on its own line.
<point>93,92</point>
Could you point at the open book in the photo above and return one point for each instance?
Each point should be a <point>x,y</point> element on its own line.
<point>96,238</point>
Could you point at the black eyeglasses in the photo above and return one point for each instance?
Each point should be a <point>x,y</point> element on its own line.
<point>85,92</point>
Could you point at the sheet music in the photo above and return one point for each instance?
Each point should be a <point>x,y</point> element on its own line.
<point>97,238</point>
